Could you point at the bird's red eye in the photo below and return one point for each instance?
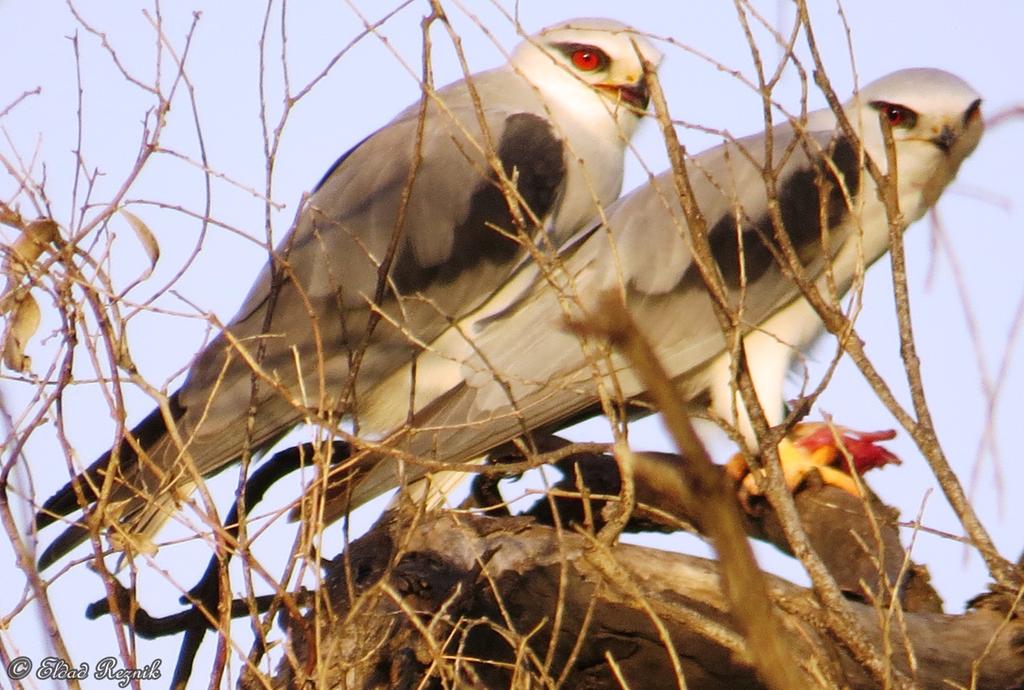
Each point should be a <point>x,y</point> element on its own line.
<point>899,117</point>
<point>895,115</point>
<point>588,59</point>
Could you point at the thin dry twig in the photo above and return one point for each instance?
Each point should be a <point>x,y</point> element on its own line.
<point>921,428</point>
<point>705,493</point>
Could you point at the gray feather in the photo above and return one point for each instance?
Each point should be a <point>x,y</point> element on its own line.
<point>524,371</point>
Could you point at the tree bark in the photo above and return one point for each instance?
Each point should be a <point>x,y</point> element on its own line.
<point>453,599</point>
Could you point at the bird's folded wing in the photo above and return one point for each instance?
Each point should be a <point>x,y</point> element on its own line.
<point>445,258</point>
<point>513,367</point>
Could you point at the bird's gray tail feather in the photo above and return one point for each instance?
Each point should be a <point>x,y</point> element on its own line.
<point>84,490</point>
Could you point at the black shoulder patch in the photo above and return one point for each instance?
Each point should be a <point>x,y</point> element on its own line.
<point>801,203</point>
<point>147,433</point>
<point>530,149</point>
<point>532,156</point>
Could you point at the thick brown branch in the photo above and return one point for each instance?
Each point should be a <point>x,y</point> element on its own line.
<point>485,590</point>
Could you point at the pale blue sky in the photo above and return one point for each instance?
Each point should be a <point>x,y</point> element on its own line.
<point>981,214</point>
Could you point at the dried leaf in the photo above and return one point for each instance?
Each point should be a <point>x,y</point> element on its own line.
<point>9,216</point>
<point>146,238</point>
<point>21,325</point>
<point>30,244</point>
<point>23,315</point>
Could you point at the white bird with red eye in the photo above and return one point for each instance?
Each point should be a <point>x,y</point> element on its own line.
<point>935,120</point>
<point>512,366</point>
<point>409,231</point>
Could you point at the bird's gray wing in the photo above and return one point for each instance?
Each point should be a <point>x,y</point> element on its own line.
<point>513,367</point>
<point>447,257</point>
<point>430,194</point>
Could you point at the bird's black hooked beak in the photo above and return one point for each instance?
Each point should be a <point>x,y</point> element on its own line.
<point>635,95</point>
<point>945,139</point>
<point>948,136</point>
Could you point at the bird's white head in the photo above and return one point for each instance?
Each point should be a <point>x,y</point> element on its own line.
<point>590,67</point>
<point>935,118</point>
